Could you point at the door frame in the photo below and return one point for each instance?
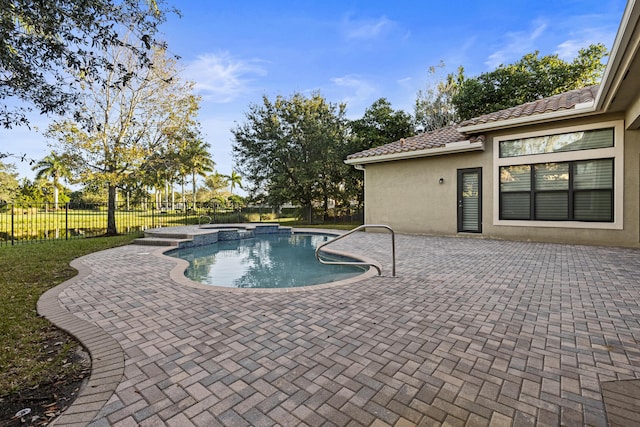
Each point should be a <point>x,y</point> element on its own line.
<point>460,173</point>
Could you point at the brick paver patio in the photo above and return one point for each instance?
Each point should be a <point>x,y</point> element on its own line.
<point>471,332</point>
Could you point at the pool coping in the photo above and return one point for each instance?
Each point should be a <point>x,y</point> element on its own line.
<point>177,272</point>
<point>616,390</point>
<point>107,356</point>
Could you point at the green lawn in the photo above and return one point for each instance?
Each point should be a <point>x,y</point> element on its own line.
<point>26,272</point>
<point>27,358</point>
<point>39,224</point>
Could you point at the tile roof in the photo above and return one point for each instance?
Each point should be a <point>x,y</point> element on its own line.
<point>423,141</point>
<point>563,101</point>
<point>450,134</point>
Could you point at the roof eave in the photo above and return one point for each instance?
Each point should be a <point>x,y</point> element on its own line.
<point>450,148</point>
<point>617,65</point>
<point>583,109</point>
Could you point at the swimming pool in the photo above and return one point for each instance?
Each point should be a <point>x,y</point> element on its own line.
<point>266,261</point>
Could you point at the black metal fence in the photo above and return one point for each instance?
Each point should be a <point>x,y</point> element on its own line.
<point>38,222</point>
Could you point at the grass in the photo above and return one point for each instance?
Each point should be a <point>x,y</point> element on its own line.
<point>27,358</point>
<point>26,272</point>
<point>38,224</point>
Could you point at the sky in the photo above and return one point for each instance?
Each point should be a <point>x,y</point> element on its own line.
<point>350,51</point>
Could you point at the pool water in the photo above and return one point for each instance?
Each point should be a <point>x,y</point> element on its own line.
<point>267,261</point>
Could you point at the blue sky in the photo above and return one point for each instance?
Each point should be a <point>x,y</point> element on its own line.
<point>351,51</point>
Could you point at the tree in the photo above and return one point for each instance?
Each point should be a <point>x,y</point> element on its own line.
<point>55,167</point>
<point>9,184</point>
<point>198,161</point>
<point>51,47</point>
<point>216,182</point>
<point>379,125</point>
<point>234,180</point>
<point>292,149</point>
<point>434,108</point>
<point>122,124</point>
<point>216,185</point>
<point>531,78</point>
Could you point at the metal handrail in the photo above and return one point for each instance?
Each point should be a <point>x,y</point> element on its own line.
<point>360,227</point>
<point>203,216</point>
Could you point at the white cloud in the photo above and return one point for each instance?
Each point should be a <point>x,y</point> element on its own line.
<point>569,48</point>
<point>367,29</point>
<point>221,78</point>
<point>582,38</point>
<point>579,32</point>
<point>516,45</point>
<point>356,92</point>
<point>405,82</point>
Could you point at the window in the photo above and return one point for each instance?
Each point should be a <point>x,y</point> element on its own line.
<point>571,177</point>
<point>515,192</point>
<point>564,191</point>
<point>571,141</point>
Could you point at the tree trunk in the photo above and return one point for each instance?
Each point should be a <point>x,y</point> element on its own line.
<point>325,207</point>
<point>184,200</point>
<point>111,212</point>
<point>194,190</point>
<point>166,195</point>
<point>173,196</point>
<point>55,197</point>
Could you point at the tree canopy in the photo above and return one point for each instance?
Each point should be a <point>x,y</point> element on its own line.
<point>9,184</point>
<point>528,79</point>
<point>49,48</point>
<point>379,125</point>
<point>433,108</point>
<point>121,128</point>
<point>55,167</point>
<point>292,149</point>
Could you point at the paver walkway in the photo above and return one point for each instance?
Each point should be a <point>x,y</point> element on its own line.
<point>471,332</point>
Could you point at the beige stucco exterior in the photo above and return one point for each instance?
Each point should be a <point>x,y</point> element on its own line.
<point>408,195</point>
<point>403,188</point>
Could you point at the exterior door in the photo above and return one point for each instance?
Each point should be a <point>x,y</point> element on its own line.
<point>470,200</point>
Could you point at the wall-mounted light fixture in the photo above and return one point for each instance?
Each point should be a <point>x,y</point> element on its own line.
<point>441,181</point>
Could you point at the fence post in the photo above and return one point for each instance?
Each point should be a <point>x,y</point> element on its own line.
<point>66,221</point>
<point>13,208</point>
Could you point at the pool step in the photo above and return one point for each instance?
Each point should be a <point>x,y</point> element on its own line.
<point>160,241</point>
<point>189,236</point>
<point>169,235</point>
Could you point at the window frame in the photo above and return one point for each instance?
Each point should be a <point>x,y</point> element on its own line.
<point>616,153</point>
<point>570,192</point>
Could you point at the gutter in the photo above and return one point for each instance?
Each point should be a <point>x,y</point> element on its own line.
<point>449,148</point>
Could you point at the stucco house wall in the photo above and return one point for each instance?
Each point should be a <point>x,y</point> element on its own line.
<point>625,234</point>
<point>591,189</point>
<point>408,196</point>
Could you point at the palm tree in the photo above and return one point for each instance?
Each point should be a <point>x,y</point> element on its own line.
<point>53,166</point>
<point>197,159</point>
<point>234,180</point>
<point>216,181</point>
